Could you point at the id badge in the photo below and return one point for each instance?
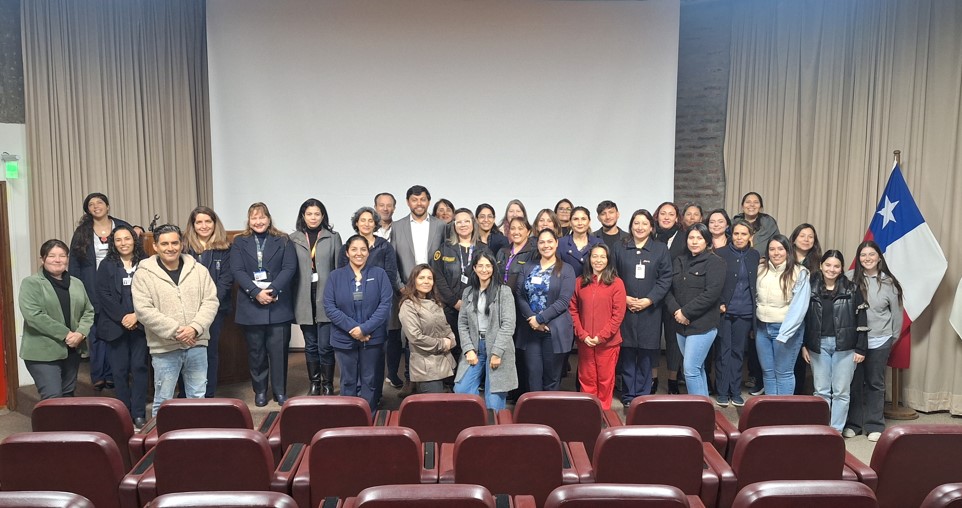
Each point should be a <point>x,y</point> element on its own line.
<point>260,276</point>
<point>314,277</point>
<point>127,280</point>
<point>464,279</point>
<point>536,279</point>
<point>101,246</point>
<point>358,296</point>
<point>639,271</point>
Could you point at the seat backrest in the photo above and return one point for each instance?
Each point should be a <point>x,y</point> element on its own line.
<point>806,493</point>
<point>784,410</point>
<point>625,455</point>
<point>176,414</point>
<point>302,417</point>
<point>510,459</point>
<point>234,499</point>
<point>440,417</point>
<point>425,496</point>
<point>788,452</point>
<point>616,496</point>
<point>944,496</point>
<point>189,460</point>
<point>575,416</point>
<point>693,411</point>
<point>43,499</point>
<point>94,414</point>
<point>911,460</point>
<point>347,460</point>
<point>84,463</point>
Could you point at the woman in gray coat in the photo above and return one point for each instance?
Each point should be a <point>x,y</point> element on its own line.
<point>487,311</point>
<point>426,329</point>
<point>316,245</point>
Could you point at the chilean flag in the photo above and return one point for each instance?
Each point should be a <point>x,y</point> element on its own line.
<point>912,254</point>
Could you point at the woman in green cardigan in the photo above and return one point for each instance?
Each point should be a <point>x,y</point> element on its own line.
<point>57,316</point>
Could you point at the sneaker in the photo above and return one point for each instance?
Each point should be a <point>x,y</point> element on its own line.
<point>397,385</point>
<point>756,393</point>
<point>848,433</point>
<point>874,436</point>
<point>738,401</point>
<point>722,400</point>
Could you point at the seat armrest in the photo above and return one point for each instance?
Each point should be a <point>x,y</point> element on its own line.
<point>350,502</point>
<point>446,463</point>
<point>612,419</point>
<point>730,430</point>
<point>491,417</point>
<point>727,483</point>
<point>287,468</point>
<point>395,419</point>
<point>381,417</point>
<point>274,441</point>
<point>429,464</point>
<point>301,483</point>
<point>130,484</point>
<point>720,441</point>
<point>147,488</point>
<point>572,461</point>
<point>696,502</point>
<point>863,472</point>
<point>268,423</point>
<point>331,502</point>
<point>524,501</point>
<point>581,462</point>
<point>136,441</point>
<point>505,416</point>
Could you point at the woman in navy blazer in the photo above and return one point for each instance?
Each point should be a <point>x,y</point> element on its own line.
<point>544,291</point>
<point>357,300</point>
<point>264,265</point>
<point>117,323</point>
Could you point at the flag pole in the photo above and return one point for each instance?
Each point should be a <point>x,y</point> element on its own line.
<point>895,411</point>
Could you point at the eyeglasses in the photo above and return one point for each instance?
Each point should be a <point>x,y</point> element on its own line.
<point>564,209</point>
<point>462,223</point>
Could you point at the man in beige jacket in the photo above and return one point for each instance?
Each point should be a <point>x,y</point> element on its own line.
<point>176,300</point>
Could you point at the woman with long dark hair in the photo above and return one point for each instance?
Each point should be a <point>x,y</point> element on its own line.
<point>487,324</point>
<point>511,262</point>
<point>316,245</point>
<point>883,293</point>
<point>206,240</point>
<point>737,308</point>
<point>124,336</point>
<point>264,265</point>
<point>88,248</point>
<point>720,226</point>
<point>575,247</point>
<point>488,234</point>
<point>808,252</point>
<point>669,231</point>
<point>597,311</point>
<point>764,225</point>
<point>452,264</point>
<point>427,331</point>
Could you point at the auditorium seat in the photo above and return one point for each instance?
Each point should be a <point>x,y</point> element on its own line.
<point>43,499</point>
<point>520,459</point>
<point>342,462</point>
<point>94,414</point>
<point>84,463</point>
<point>609,495</point>
<point>424,496</point>
<point>438,418</point>
<point>209,459</point>
<point>806,494</point>
<point>944,496</point>
<point>575,416</point>
<point>302,417</point>
<point>693,411</point>
<point>233,499</point>
<point>768,410</point>
<point>214,413</point>
<point>911,460</point>
<point>666,455</point>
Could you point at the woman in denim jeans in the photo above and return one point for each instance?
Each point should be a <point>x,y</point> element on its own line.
<point>835,335</point>
<point>783,292</point>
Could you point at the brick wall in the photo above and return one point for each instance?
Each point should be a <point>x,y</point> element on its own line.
<point>703,66</point>
<point>11,63</point>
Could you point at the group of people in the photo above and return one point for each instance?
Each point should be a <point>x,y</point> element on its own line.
<point>475,305</point>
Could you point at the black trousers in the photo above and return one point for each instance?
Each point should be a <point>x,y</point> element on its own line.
<point>267,347</point>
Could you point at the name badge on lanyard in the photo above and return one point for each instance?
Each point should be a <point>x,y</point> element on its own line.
<point>127,280</point>
<point>314,277</point>
<point>358,294</point>
<point>536,279</point>
<point>640,271</point>
<point>260,275</point>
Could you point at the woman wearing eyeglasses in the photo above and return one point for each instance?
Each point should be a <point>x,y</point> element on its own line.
<point>451,264</point>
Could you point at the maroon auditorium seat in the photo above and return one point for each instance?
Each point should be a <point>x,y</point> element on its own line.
<point>944,496</point>
<point>440,417</point>
<point>190,460</point>
<point>610,495</point>
<point>575,416</point>
<point>769,410</point>
<point>84,463</point>
<point>43,499</point>
<point>93,414</point>
<point>302,417</point>
<point>666,455</point>
<point>234,499</point>
<point>693,411</point>
<point>806,494</point>
<point>911,460</point>
<point>423,496</point>
<point>342,462</point>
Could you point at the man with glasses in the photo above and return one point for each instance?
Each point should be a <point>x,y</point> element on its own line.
<point>176,301</point>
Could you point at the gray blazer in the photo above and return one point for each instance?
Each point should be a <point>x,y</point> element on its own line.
<point>499,339</point>
<point>325,256</point>
<point>403,243</point>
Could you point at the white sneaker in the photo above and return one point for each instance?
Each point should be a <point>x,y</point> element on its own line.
<point>874,436</point>
<point>848,433</point>
<point>760,391</point>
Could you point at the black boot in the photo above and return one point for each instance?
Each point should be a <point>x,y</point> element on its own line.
<point>327,379</point>
<point>314,374</point>
<point>673,387</point>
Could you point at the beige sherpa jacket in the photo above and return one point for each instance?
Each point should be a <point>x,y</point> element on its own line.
<point>163,307</point>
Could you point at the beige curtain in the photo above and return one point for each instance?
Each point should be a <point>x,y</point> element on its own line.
<point>821,93</point>
<point>116,102</point>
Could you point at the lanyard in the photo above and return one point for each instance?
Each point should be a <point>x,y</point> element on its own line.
<point>260,253</point>
<point>313,250</point>
<point>461,256</point>
<point>507,266</point>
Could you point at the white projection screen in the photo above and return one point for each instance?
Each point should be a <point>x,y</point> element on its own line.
<point>480,101</point>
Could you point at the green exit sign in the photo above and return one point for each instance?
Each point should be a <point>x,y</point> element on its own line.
<point>12,169</point>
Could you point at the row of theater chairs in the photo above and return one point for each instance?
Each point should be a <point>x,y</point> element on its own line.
<point>771,494</point>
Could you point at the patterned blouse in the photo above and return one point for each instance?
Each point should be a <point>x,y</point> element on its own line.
<point>537,285</point>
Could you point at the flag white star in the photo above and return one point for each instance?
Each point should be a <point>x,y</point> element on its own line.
<point>886,212</point>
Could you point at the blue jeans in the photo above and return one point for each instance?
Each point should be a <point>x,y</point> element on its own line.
<point>168,366</point>
<point>832,372</point>
<point>777,358</point>
<point>694,350</point>
<point>471,380</point>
